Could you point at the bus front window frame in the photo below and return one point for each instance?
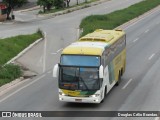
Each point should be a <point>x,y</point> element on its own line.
<point>79,81</point>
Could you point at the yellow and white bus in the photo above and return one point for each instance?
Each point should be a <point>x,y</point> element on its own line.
<point>91,66</point>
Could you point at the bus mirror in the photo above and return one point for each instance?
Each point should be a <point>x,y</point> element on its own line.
<point>56,70</point>
<point>101,71</point>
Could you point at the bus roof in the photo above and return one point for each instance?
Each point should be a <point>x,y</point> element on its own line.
<point>94,43</point>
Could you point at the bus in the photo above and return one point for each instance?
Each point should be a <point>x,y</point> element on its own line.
<point>91,66</point>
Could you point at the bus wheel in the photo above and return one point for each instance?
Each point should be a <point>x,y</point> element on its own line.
<point>119,78</point>
<point>121,71</point>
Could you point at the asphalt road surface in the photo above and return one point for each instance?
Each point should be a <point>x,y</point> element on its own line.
<point>139,88</point>
<point>61,31</point>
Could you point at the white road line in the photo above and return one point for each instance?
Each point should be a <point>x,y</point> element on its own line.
<point>147,31</point>
<point>157,118</point>
<point>136,40</point>
<point>139,20</point>
<point>44,54</point>
<point>151,56</point>
<point>59,50</point>
<point>21,88</point>
<point>127,84</point>
<point>53,53</point>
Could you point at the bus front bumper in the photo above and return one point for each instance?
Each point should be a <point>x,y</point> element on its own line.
<point>79,99</point>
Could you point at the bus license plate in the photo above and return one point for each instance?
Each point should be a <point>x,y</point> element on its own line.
<point>78,100</point>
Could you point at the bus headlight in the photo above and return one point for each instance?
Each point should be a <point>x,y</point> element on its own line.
<point>95,95</point>
<point>60,93</point>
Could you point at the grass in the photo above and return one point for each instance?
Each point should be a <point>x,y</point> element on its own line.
<point>8,73</point>
<point>114,19</point>
<point>9,48</point>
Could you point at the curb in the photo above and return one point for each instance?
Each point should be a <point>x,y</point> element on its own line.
<point>7,86</point>
<point>29,9</point>
<point>18,80</point>
<point>134,20</point>
<point>25,50</point>
<point>7,23</point>
<point>72,9</point>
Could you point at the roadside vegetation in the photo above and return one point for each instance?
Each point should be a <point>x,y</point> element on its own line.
<point>11,4</point>
<point>9,48</point>
<point>9,73</point>
<point>114,19</point>
<point>51,6</point>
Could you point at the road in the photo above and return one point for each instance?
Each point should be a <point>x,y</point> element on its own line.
<point>139,89</point>
<point>61,30</point>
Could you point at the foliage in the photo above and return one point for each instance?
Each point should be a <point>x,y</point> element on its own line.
<point>59,4</point>
<point>47,4</point>
<point>15,3</point>
<point>13,45</point>
<point>114,19</point>
<point>9,73</point>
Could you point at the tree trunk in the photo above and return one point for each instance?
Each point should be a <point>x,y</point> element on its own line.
<point>77,2</point>
<point>68,1</point>
<point>48,7</point>
<point>8,12</point>
<point>44,9</point>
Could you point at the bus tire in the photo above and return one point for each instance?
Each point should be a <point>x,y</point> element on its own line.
<point>121,71</point>
<point>119,78</point>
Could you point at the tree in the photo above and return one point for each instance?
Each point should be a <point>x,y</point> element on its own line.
<point>77,2</point>
<point>47,4</point>
<point>59,4</point>
<point>15,3</point>
<point>11,4</point>
<point>67,1</point>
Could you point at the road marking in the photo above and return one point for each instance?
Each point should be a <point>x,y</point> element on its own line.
<point>147,31</point>
<point>136,40</point>
<point>44,52</point>
<point>127,84</point>
<point>21,88</point>
<point>157,118</point>
<point>53,53</point>
<point>141,18</point>
<point>59,50</point>
<point>49,72</point>
<point>151,56</point>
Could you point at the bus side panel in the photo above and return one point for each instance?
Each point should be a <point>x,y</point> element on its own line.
<point>119,64</point>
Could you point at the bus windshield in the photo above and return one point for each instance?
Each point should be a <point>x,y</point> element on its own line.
<point>79,78</point>
<point>77,60</point>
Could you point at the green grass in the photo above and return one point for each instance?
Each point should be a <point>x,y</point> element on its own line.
<point>10,47</point>
<point>8,73</point>
<point>114,19</point>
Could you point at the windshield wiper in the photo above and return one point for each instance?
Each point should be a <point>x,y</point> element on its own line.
<point>84,83</point>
